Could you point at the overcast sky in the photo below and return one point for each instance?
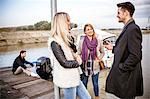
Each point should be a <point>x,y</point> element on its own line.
<point>100,13</point>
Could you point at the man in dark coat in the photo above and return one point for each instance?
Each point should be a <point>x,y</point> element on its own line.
<point>125,79</point>
<point>19,64</point>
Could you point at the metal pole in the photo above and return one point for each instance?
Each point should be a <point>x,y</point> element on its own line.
<point>53,8</point>
<point>57,92</point>
<point>148,27</point>
<point>53,12</point>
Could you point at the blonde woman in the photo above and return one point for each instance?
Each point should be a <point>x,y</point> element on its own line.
<point>66,70</point>
<point>91,51</point>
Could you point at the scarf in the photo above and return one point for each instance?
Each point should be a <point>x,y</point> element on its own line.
<point>91,46</point>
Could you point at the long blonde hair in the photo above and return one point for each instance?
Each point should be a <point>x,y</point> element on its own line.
<point>59,27</point>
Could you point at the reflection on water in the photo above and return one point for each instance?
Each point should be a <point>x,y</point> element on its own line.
<point>145,66</point>
<point>146,52</point>
<point>34,51</point>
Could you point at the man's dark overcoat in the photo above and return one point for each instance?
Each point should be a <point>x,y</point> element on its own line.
<point>125,78</point>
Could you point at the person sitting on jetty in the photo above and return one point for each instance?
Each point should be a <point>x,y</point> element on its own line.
<point>19,64</point>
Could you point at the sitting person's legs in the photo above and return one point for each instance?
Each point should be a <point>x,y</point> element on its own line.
<point>18,70</point>
<point>27,71</point>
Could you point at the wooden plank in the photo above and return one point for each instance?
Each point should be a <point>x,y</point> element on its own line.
<point>6,73</point>
<point>5,69</point>
<point>23,80</point>
<point>28,83</point>
<point>8,92</point>
<point>34,90</point>
<point>49,95</point>
<point>46,96</point>
<point>24,97</point>
<point>17,79</point>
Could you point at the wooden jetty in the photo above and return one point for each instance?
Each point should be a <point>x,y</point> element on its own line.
<point>26,87</point>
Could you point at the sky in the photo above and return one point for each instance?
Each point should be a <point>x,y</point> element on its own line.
<point>100,13</point>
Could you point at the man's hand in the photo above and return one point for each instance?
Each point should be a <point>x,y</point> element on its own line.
<point>29,69</point>
<point>109,46</point>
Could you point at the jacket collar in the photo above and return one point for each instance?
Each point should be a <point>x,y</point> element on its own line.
<point>129,21</point>
<point>124,29</point>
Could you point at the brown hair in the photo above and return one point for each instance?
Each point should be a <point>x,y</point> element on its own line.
<point>22,51</point>
<point>127,6</point>
<point>90,25</point>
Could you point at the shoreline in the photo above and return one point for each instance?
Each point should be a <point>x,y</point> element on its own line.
<point>23,37</point>
<point>40,36</point>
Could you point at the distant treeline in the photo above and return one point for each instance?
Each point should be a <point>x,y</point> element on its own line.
<point>42,25</point>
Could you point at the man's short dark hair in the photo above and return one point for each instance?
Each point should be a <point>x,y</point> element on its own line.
<point>127,6</point>
<point>22,51</point>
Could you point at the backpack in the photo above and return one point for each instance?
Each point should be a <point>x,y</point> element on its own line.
<point>44,69</point>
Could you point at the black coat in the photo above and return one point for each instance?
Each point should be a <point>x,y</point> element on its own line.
<point>59,54</point>
<point>20,62</point>
<point>125,78</point>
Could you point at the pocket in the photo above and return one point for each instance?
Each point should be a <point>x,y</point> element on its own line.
<point>121,67</point>
<point>124,75</point>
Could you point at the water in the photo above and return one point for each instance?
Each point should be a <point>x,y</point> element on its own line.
<point>146,66</point>
<point>34,51</point>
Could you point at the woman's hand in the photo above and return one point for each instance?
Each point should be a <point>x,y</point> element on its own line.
<point>78,59</point>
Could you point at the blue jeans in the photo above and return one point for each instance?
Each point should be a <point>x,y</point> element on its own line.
<point>94,81</point>
<point>71,93</point>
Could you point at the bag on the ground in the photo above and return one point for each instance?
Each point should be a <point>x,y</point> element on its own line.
<point>44,69</point>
